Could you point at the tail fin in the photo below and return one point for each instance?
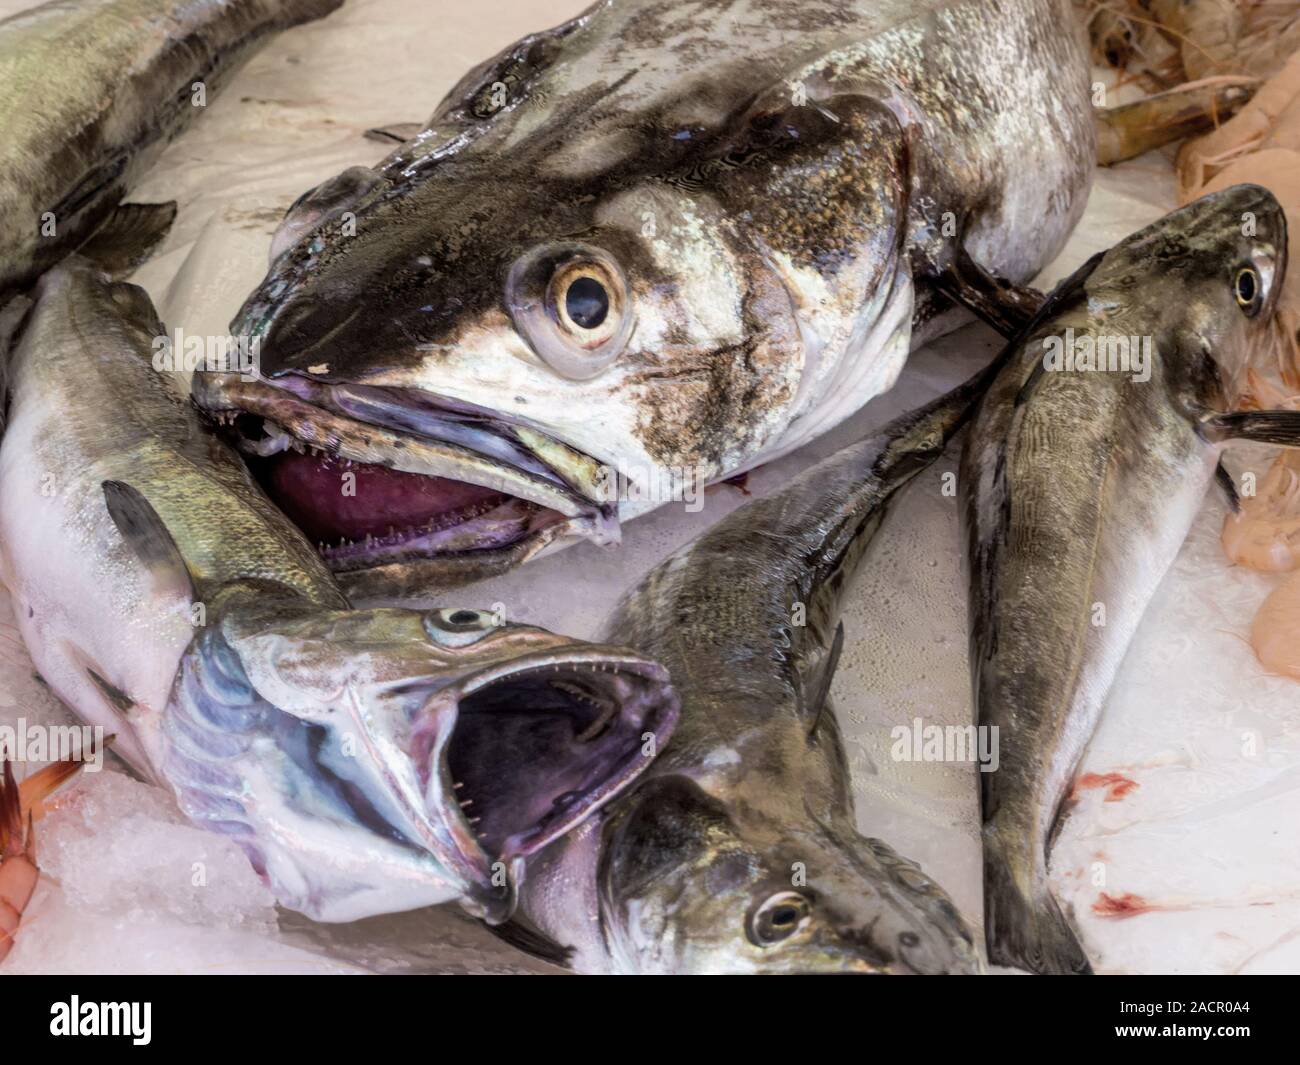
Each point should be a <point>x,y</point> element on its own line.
<point>1023,926</point>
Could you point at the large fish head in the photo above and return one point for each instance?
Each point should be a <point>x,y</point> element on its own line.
<point>687,885</point>
<point>574,318</point>
<point>1207,277</point>
<point>392,758</point>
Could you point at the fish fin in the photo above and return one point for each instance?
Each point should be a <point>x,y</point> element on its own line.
<point>1003,304</point>
<point>38,787</point>
<point>1280,427</point>
<point>821,678</point>
<point>117,698</point>
<point>523,936</point>
<point>146,535</point>
<point>12,316</point>
<point>1229,487</point>
<point>1025,931</point>
<point>129,236</point>
<point>401,132</point>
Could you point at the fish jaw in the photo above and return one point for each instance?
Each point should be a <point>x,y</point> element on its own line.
<point>405,491</point>
<point>346,751</point>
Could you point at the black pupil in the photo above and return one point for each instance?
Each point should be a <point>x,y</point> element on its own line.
<point>1246,286</point>
<point>463,617</point>
<point>785,916</point>
<point>587,302</point>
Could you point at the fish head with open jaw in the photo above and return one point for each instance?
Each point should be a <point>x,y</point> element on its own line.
<point>377,760</point>
<point>687,885</point>
<point>541,333</point>
<point>1204,279</point>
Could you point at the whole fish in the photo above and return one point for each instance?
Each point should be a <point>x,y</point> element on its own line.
<point>367,761</point>
<point>738,851</point>
<point>1083,470</point>
<point>91,91</point>
<point>653,247</point>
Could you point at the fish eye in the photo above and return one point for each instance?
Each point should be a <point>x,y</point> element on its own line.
<point>570,303</point>
<point>1248,290</point>
<point>458,628</point>
<point>778,918</point>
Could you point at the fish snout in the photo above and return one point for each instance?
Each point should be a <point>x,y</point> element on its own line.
<point>297,334</point>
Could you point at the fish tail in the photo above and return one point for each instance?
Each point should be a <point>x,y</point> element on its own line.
<point>1023,925</point>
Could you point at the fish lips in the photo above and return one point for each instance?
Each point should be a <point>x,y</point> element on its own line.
<point>536,488</point>
<point>580,724</point>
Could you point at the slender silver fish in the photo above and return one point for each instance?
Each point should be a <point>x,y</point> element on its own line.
<point>1082,473</point>
<point>90,92</point>
<point>367,761</point>
<point>738,851</point>
<point>650,248</point>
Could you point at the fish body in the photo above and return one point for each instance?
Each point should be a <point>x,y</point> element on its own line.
<point>645,250</point>
<point>368,761</point>
<point>1079,486</point>
<point>738,852</point>
<point>91,91</point>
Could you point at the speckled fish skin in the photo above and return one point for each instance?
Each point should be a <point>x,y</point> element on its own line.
<point>755,787</point>
<point>90,93</point>
<point>337,747</point>
<point>1078,490</point>
<point>778,181</point>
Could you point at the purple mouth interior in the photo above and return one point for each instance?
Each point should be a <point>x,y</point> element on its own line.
<point>534,753</point>
<point>391,510</point>
<point>361,513</point>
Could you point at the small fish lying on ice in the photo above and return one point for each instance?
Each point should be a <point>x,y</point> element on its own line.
<point>91,91</point>
<point>1079,485</point>
<point>738,851</point>
<point>651,248</point>
<point>368,761</point>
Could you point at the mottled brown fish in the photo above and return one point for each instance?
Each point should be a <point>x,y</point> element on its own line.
<point>653,247</point>
<point>1084,468</point>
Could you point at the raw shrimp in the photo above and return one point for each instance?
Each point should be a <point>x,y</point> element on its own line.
<point>1275,632</point>
<point>20,807</point>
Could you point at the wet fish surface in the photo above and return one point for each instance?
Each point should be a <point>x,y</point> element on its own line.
<point>653,247</point>
<point>91,91</point>
<point>367,761</point>
<point>738,851</point>
<point>1079,485</point>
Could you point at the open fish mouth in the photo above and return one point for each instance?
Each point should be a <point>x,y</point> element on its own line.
<point>391,481</point>
<point>516,755</point>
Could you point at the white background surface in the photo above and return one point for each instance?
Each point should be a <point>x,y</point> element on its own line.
<point>1206,840</point>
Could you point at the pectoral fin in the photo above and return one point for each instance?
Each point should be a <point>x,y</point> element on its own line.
<point>817,685</point>
<point>146,535</point>
<point>129,236</point>
<point>1280,427</point>
<point>1224,478</point>
<point>1004,305</point>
